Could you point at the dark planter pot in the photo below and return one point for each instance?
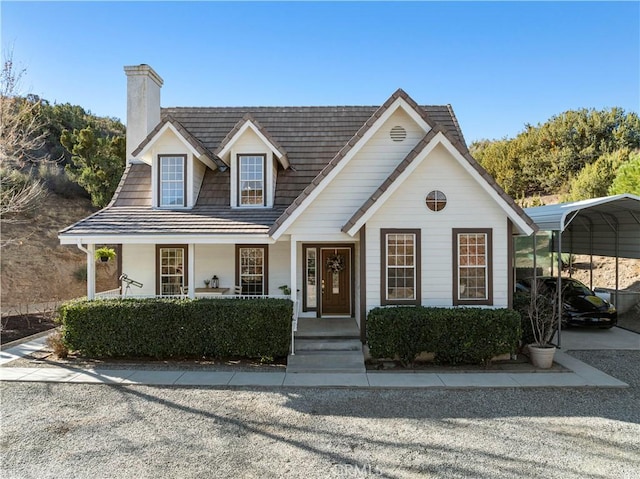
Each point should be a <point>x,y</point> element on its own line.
<point>104,259</point>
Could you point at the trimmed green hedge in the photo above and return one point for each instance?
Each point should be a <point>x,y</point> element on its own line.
<point>454,335</point>
<point>164,328</point>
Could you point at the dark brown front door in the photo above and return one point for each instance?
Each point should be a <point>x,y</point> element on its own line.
<point>336,281</point>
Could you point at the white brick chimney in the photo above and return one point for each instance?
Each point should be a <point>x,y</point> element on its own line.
<point>143,104</point>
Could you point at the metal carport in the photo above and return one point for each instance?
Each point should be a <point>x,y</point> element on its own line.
<point>607,226</point>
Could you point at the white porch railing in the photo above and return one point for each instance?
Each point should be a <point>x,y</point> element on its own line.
<point>115,293</point>
<point>112,293</point>
<point>294,323</point>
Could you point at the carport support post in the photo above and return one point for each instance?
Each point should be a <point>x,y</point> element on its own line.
<point>559,290</point>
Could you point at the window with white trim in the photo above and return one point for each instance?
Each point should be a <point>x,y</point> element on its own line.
<point>252,269</point>
<point>172,270</point>
<point>472,267</point>
<point>400,266</point>
<point>172,180</point>
<point>251,180</point>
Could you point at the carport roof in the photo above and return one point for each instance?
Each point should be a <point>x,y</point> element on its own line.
<point>600,222</point>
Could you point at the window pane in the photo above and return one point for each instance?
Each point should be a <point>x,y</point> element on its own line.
<point>251,271</point>
<point>311,278</point>
<point>472,266</point>
<point>251,180</point>
<point>401,281</point>
<point>172,181</point>
<point>172,277</point>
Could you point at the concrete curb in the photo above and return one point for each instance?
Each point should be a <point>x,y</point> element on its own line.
<point>27,339</point>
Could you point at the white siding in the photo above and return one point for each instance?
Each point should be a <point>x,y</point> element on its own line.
<point>366,171</point>
<point>169,144</point>
<point>198,168</point>
<point>468,206</point>
<point>279,266</point>
<point>220,260</point>
<point>138,262</point>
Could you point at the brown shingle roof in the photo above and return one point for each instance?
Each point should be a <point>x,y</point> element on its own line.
<point>311,136</point>
<point>314,139</point>
<point>193,141</point>
<point>135,186</point>
<point>261,129</point>
<point>140,220</point>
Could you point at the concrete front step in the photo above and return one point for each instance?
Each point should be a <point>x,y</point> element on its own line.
<point>322,344</point>
<point>326,362</point>
<point>327,328</point>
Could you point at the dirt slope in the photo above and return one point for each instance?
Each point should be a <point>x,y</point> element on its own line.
<point>36,268</point>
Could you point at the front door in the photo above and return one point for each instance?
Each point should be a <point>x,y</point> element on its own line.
<point>335,283</point>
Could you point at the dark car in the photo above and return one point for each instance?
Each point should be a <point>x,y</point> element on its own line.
<point>580,305</point>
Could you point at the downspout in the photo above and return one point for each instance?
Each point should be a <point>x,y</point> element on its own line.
<point>91,268</point>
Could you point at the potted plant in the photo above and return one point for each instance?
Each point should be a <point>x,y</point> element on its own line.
<point>544,316</point>
<point>104,254</point>
<point>206,283</point>
<point>285,289</point>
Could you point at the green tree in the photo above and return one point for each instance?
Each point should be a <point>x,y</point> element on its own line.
<point>628,178</point>
<point>544,159</point>
<point>594,179</point>
<point>96,163</point>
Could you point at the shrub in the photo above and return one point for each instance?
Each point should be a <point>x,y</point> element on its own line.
<point>55,342</point>
<point>454,335</point>
<point>164,328</point>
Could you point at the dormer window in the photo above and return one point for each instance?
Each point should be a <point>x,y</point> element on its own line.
<point>172,181</point>
<point>251,180</point>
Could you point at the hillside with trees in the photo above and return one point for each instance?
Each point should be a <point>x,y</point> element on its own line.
<point>577,155</point>
<point>58,164</point>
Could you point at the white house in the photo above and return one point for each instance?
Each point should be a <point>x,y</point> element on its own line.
<point>352,206</point>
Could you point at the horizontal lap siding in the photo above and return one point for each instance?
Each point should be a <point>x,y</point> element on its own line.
<point>198,175</point>
<point>220,260</point>
<point>468,206</point>
<point>138,263</point>
<point>359,179</point>
<point>216,260</point>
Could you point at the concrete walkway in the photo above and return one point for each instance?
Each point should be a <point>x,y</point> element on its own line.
<point>580,374</point>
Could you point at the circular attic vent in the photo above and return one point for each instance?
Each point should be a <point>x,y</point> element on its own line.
<point>398,133</point>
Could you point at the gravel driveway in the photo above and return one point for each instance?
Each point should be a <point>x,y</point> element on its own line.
<point>103,431</point>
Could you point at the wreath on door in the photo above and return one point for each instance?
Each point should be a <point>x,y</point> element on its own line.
<point>335,263</point>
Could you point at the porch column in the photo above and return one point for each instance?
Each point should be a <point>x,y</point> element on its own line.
<point>91,271</point>
<point>191,279</point>
<point>294,279</point>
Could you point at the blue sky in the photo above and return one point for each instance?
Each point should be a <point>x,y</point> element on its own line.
<point>500,65</point>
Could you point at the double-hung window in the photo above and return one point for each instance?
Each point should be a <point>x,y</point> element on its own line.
<point>400,273</point>
<point>252,269</point>
<point>172,180</point>
<point>472,269</point>
<point>172,269</point>
<point>251,180</point>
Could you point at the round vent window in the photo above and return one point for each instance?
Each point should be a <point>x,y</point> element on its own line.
<point>436,200</point>
<point>398,133</point>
